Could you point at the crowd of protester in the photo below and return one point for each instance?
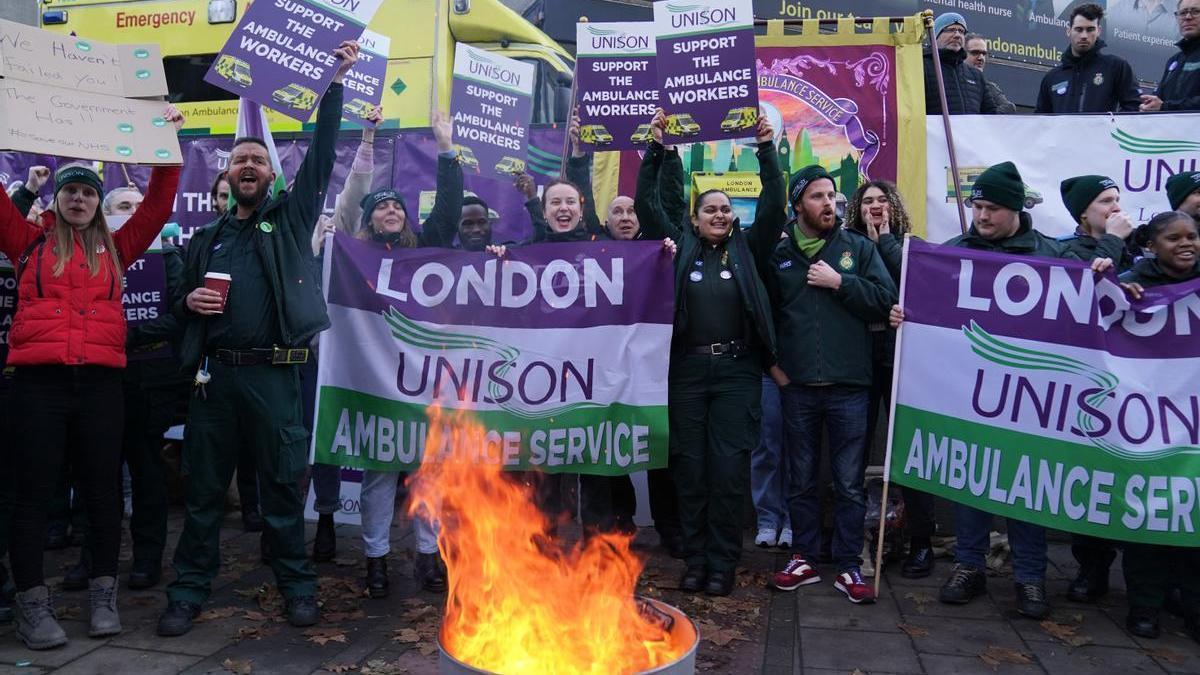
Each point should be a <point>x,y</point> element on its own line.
<point>784,335</point>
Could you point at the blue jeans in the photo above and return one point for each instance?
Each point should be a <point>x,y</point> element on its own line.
<point>972,528</point>
<point>842,412</point>
<point>768,475</point>
<point>326,478</point>
<point>378,507</point>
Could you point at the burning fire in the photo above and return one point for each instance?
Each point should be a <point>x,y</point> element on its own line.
<point>518,602</point>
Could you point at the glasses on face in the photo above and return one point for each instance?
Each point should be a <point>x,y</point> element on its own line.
<point>1189,13</point>
<point>955,30</point>
<point>978,52</point>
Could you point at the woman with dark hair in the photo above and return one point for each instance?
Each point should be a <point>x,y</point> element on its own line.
<point>723,340</point>
<point>68,350</point>
<point>877,211</point>
<point>1174,243</point>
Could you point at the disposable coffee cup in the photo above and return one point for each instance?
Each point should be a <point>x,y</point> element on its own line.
<point>219,282</point>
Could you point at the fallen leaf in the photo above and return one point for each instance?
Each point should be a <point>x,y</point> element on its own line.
<point>418,613</point>
<point>994,656</point>
<point>68,613</point>
<point>920,599</point>
<point>217,613</point>
<point>413,602</point>
<point>1065,634</point>
<point>406,636</point>
<point>339,667</point>
<point>323,636</point>
<point>717,635</point>
<point>912,631</point>
<point>243,667</point>
<point>335,617</point>
<point>255,632</point>
<point>427,648</point>
<point>252,615</point>
<point>246,592</point>
<point>382,667</point>
<point>1165,654</point>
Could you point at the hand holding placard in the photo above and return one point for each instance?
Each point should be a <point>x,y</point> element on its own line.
<point>348,53</point>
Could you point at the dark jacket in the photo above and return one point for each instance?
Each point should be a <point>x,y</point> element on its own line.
<point>660,187</point>
<point>1003,105</point>
<point>824,335</point>
<point>966,87</point>
<point>891,251</point>
<point>1088,248</point>
<point>1027,241</point>
<point>1092,83</point>
<point>285,251</point>
<point>1148,273</point>
<point>1179,87</point>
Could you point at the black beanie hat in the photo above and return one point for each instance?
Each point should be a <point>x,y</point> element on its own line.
<point>1001,184</point>
<point>1079,192</point>
<point>77,173</point>
<point>803,178</point>
<point>372,200</point>
<point>1180,186</point>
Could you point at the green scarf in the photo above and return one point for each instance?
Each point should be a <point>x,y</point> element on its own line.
<point>809,247</point>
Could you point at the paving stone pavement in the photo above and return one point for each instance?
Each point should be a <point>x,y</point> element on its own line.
<point>813,630</point>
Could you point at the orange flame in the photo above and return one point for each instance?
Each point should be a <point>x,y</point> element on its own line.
<point>518,602</point>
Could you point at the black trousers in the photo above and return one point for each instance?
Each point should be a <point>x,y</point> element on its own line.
<point>606,502</point>
<point>149,412</point>
<point>73,414</point>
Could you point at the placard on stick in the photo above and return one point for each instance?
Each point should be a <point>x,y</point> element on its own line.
<point>617,84</point>
<point>364,82</point>
<point>491,102</point>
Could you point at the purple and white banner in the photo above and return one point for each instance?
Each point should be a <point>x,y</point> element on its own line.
<point>559,350</point>
<point>281,53</point>
<point>706,69</point>
<point>616,84</point>
<point>492,103</point>
<point>1036,390</point>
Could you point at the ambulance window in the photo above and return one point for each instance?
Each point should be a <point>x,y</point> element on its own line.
<point>185,79</point>
<point>551,93</point>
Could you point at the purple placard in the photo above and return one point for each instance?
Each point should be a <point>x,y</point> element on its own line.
<point>145,297</point>
<point>8,305</point>
<point>364,82</point>
<point>399,276</point>
<point>1033,298</point>
<point>706,69</point>
<point>617,84</point>
<point>281,53</point>
<point>491,103</point>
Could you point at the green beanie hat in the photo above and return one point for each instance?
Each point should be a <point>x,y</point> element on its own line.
<point>77,173</point>
<point>1180,186</point>
<point>803,178</point>
<point>1079,192</point>
<point>1001,184</point>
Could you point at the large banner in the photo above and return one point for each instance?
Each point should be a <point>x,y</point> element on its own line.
<point>1140,152</point>
<point>1033,389</point>
<point>559,351</point>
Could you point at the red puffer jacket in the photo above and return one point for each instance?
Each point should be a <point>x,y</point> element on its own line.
<point>76,318</point>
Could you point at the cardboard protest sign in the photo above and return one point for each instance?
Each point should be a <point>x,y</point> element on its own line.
<point>43,119</point>
<point>364,82</point>
<point>36,55</point>
<point>281,53</point>
<point>617,84</point>
<point>706,69</point>
<point>492,100</point>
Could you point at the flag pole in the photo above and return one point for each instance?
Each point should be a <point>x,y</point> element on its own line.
<point>562,165</point>
<point>927,16</point>
<point>891,428</point>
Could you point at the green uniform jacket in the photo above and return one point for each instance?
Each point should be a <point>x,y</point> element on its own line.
<point>660,192</point>
<point>283,241</point>
<point>1148,273</point>
<point>1088,248</point>
<point>1027,241</point>
<point>824,335</point>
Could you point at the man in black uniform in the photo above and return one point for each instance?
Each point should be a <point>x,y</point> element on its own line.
<point>1179,86</point>
<point>1088,81</point>
<point>966,88</point>
<point>246,349</point>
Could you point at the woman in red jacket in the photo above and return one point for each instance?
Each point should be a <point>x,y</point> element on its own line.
<point>67,346</point>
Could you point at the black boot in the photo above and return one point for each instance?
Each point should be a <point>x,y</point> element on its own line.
<point>177,619</point>
<point>7,592</point>
<point>325,543</point>
<point>1143,622</point>
<point>694,578</point>
<point>377,577</point>
<point>1091,583</point>
<point>144,574</point>
<point>918,564</point>
<point>431,572</point>
<point>964,583</point>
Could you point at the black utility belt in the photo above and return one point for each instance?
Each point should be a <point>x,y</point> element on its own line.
<point>731,348</point>
<point>275,356</point>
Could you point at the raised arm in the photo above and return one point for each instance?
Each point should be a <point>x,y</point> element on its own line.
<point>304,203</point>
<point>442,225</point>
<point>347,214</point>
<point>579,172</point>
<point>652,182</point>
<point>770,215</point>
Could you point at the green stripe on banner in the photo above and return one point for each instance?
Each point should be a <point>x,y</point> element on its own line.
<point>362,431</point>
<point>1047,481</point>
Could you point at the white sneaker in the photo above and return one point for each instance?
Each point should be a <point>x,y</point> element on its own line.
<point>785,538</point>
<point>765,537</point>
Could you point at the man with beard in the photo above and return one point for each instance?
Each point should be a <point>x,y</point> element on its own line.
<point>1088,81</point>
<point>245,348</point>
<point>827,285</point>
<point>966,87</point>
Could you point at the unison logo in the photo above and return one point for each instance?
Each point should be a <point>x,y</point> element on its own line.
<point>478,64</point>
<point>607,38</point>
<point>1152,146</point>
<point>699,16</point>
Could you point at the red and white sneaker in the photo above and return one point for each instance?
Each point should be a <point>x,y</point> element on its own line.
<point>857,591</point>
<point>798,572</point>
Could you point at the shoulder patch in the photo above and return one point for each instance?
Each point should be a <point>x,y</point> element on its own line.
<point>785,264</point>
<point>847,261</point>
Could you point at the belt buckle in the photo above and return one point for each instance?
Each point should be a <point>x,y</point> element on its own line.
<point>288,357</point>
<point>718,348</point>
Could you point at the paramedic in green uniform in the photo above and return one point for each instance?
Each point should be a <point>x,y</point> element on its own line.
<point>246,359</point>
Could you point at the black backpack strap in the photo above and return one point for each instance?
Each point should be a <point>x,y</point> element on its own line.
<point>36,244</point>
